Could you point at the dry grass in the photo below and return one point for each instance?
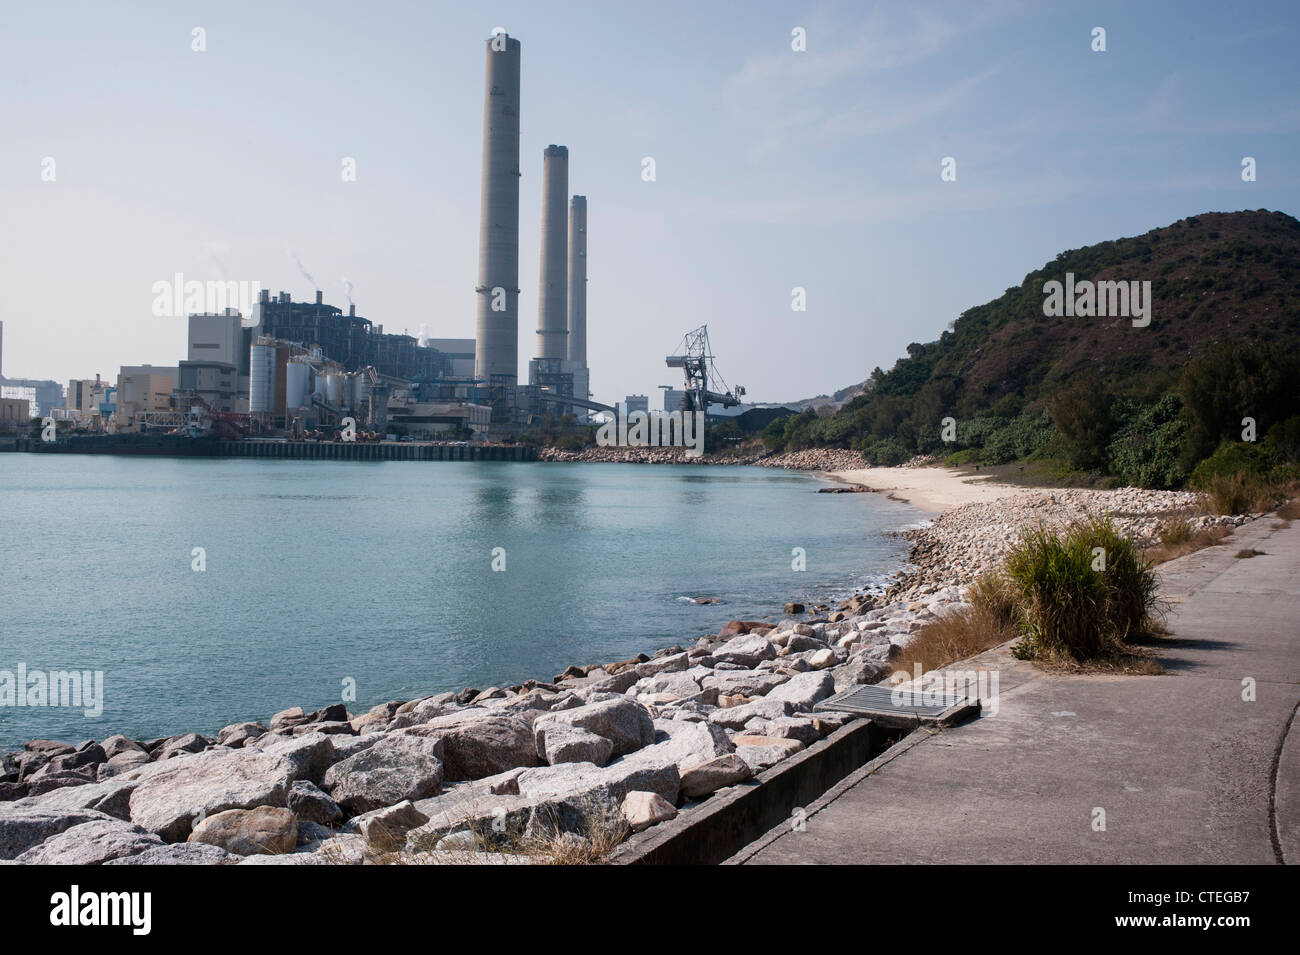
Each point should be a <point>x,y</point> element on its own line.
<point>1177,539</point>
<point>1290,510</point>
<point>955,636</point>
<point>1248,552</point>
<point>602,828</point>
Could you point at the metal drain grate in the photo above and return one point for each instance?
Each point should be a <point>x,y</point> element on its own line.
<point>878,702</point>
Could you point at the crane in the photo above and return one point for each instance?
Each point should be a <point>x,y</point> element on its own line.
<point>704,386</point>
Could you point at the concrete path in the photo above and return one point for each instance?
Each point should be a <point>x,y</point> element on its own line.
<point>1185,770</point>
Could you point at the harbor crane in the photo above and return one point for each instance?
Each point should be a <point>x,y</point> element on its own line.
<point>704,386</point>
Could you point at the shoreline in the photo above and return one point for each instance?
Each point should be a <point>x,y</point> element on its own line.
<point>671,726</point>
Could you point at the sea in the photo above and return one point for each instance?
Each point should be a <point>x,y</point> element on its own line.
<point>204,592</point>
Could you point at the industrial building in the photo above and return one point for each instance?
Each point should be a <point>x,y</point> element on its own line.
<point>352,341</point>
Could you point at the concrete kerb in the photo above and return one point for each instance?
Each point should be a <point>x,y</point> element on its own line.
<point>914,738</point>
<point>729,820</point>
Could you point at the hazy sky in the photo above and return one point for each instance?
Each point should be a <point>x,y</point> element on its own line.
<point>775,168</point>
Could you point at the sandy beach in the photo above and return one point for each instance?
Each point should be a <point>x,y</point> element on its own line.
<point>931,489</point>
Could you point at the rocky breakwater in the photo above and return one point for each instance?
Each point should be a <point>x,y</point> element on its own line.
<point>448,777</point>
<point>812,459</point>
<point>963,543</point>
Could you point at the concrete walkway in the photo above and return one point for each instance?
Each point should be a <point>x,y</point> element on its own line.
<point>1185,770</point>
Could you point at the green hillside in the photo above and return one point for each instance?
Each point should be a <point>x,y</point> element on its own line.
<point>1143,405</point>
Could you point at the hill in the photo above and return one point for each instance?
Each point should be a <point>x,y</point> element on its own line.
<point>1009,382</point>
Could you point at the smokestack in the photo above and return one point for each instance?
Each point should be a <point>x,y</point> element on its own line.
<point>319,297</point>
<point>496,332</point>
<point>352,311</point>
<point>553,295</point>
<point>578,280</point>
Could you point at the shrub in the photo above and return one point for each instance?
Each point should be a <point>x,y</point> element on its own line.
<point>1239,493</point>
<point>1146,450</point>
<point>1232,458</point>
<point>1066,607</point>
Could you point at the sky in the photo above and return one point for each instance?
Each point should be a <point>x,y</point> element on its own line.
<point>775,168</point>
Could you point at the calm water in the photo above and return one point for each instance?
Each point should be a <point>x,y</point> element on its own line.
<point>382,572</point>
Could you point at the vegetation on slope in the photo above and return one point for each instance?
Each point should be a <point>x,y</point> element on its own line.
<point>1137,405</point>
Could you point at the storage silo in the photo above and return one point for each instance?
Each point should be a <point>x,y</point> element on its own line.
<point>261,377</point>
<point>297,383</point>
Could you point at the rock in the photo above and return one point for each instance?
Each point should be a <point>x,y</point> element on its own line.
<point>479,742</point>
<point>747,650</point>
<point>571,797</point>
<point>625,723</point>
<point>334,713</point>
<point>558,742</point>
<point>311,804</point>
<point>89,756</point>
<point>179,745</point>
<point>798,643</point>
<point>823,659</point>
<point>48,747</point>
<point>857,673</point>
<point>265,830</point>
<point>670,663</point>
<point>123,762</point>
<point>735,627</point>
<point>794,608</point>
<point>683,743</point>
<point>287,719</point>
<point>180,853</point>
<point>12,791</point>
<point>311,754</point>
<point>22,827</point>
<point>91,843</point>
<point>735,717</point>
<point>339,728</point>
<point>799,728</point>
<point>708,777</point>
<point>47,781</point>
<point>743,682</point>
<point>393,769</point>
<point>763,752</point>
<point>237,734</point>
<point>168,800</point>
<point>804,630</point>
<point>804,690</point>
<point>386,828</point>
<point>312,834</point>
<point>643,810</point>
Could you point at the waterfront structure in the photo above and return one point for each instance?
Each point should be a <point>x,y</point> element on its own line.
<point>496,330</point>
<point>142,388</point>
<point>85,395</point>
<point>218,339</point>
<point>217,383</point>
<point>15,413</point>
<point>352,341</point>
<point>637,403</point>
